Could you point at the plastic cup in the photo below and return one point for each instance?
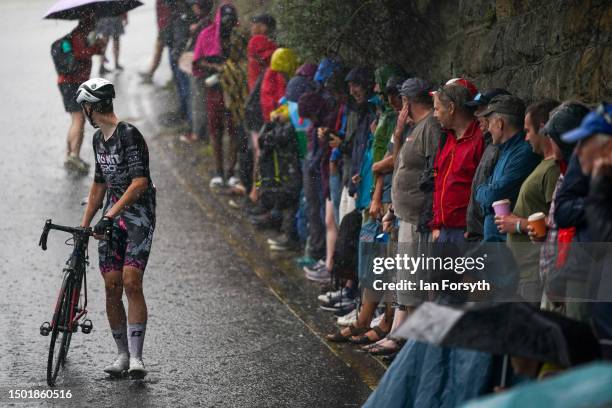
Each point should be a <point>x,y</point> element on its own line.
<point>538,223</point>
<point>502,207</point>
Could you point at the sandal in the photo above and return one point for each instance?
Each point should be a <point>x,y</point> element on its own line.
<point>338,337</point>
<point>364,339</point>
<point>378,350</point>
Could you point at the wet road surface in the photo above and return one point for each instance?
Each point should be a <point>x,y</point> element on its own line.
<point>217,335</point>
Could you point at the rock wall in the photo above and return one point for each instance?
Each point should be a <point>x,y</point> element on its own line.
<point>534,48</point>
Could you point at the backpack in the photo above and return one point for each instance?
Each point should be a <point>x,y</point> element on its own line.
<point>280,176</point>
<point>253,116</point>
<point>63,56</point>
<point>347,247</point>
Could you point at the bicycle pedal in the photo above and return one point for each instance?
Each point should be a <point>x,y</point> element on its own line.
<point>86,326</point>
<point>45,329</point>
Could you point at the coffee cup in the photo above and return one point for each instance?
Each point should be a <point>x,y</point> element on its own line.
<point>502,207</point>
<point>537,221</point>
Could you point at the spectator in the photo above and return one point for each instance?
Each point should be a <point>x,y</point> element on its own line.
<point>535,195</point>
<point>360,116</point>
<point>475,215</point>
<point>213,47</point>
<point>261,46</point>
<point>595,154</point>
<point>322,112</point>
<point>563,118</point>
<point>182,18</point>
<point>163,9</point>
<point>84,46</point>
<point>505,115</point>
<point>111,28</point>
<point>414,146</point>
<point>200,10</point>
<point>283,64</point>
<point>455,162</point>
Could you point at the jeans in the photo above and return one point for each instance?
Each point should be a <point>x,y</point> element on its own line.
<point>335,193</point>
<point>182,86</point>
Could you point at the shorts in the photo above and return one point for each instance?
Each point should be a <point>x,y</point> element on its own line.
<point>68,92</point>
<point>110,27</point>
<point>131,240</point>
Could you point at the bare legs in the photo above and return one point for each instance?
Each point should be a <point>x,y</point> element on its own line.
<point>115,283</point>
<point>75,134</point>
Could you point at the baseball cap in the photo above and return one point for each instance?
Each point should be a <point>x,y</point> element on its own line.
<point>483,98</point>
<point>394,85</point>
<point>461,82</point>
<point>598,121</point>
<point>413,87</point>
<point>505,104</point>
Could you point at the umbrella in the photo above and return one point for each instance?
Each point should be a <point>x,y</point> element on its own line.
<point>76,9</point>
<point>517,329</point>
<point>587,386</point>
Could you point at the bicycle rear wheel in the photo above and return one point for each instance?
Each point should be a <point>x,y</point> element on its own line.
<point>61,319</point>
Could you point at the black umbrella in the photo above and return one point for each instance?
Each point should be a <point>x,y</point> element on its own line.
<point>77,9</point>
<point>517,329</point>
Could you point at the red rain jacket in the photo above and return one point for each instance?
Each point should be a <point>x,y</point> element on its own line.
<point>454,169</point>
<point>259,52</point>
<point>272,90</point>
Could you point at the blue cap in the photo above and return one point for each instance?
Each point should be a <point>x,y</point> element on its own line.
<point>598,121</point>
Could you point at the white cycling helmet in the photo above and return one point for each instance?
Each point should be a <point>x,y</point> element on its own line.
<point>95,90</point>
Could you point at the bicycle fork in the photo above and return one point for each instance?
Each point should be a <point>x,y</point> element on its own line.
<point>76,311</point>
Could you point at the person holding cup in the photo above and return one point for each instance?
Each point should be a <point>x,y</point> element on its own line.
<point>535,196</point>
<point>505,115</point>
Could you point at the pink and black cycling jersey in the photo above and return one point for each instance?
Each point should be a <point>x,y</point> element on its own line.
<point>119,160</point>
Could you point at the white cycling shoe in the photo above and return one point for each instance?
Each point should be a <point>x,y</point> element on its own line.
<point>137,369</point>
<point>118,367</point>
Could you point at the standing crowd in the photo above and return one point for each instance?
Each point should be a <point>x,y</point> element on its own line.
<point>336,158</point>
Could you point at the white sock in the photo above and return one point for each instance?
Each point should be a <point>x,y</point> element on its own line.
<point>136,334</point>
<point>120,336</point>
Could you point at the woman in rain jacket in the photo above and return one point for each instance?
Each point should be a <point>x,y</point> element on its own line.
<point>283,64</point>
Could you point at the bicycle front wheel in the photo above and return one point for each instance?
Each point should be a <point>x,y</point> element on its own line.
<point>60,334</point>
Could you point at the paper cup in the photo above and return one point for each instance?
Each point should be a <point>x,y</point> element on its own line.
<point>501,207</point>
<point>538,223</point>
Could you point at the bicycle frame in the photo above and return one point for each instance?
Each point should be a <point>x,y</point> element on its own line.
<point>75,273</point>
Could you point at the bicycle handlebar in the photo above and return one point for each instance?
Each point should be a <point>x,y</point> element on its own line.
<point>71,230</point>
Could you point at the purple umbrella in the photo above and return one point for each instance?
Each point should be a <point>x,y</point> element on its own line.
<point>76,9</point>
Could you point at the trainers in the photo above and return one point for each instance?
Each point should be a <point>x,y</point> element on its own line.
<point>338,304</point>
<point>233,181</point>
<point>320,275</point>
<point>345,308</point>
<point>118,367</point>
<point>75,163</point>
<point>315,268</point>
<point>216,182</point>
<point>348,319</point>
<point>331,298</point>
<point>137,369</point>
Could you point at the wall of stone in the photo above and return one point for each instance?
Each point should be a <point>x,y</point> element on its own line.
<point>534,48</point>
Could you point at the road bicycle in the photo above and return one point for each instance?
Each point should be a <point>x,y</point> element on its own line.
<point>70,309</point>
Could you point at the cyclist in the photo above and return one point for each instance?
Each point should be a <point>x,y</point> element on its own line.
<point>122,174</point>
